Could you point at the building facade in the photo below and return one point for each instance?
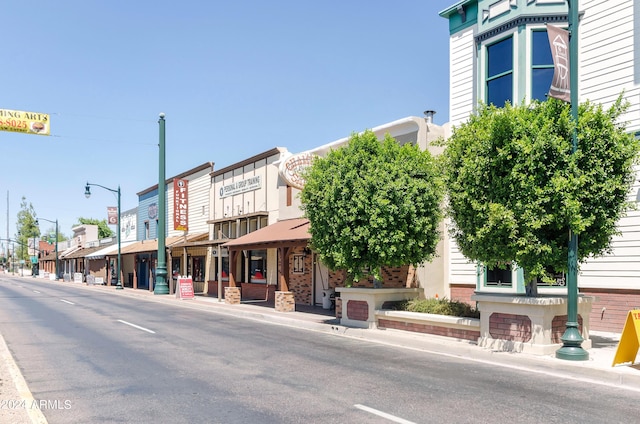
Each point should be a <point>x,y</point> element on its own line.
<point>499,51</point>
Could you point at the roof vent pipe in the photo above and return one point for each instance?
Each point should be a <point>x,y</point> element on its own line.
<point>428,116</point>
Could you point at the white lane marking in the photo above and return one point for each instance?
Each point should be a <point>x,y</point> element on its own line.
<point>383,414</point>
<point>36,291</point>
<point>137,326</point>
<point>66,301</point>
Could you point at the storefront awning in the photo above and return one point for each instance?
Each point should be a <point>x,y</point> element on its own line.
<point>289,232</point>
<point>110,250</point>
<point>149,245</point>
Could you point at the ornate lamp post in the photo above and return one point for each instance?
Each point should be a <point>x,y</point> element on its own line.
<point>53,222</point>
<point>572,339</point>
<point>87,194</point>
<point>161,286</point>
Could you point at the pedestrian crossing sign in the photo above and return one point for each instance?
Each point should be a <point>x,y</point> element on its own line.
<point>629,341</point>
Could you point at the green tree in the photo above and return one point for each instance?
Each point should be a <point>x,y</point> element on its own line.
<point>103,228</point>
<point>373,203</point>
<point>26,227</point>
<point>515,189</point>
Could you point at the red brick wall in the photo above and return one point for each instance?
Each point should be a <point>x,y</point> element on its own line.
<point>430,329</point>
<point>516,328</point>
<point>617,304</point>
<point>463,293</point>
<point>256,291</point>
<point>559,325</point>
<point>357,310</point>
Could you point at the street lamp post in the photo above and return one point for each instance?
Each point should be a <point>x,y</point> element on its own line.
<point>87,194</point>
<point>572,339</point>
<point>161,286</point>
<point>53,222</point>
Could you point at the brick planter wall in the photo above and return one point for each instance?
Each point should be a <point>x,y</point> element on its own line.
<point>559,325</point>
<point>515,328</point>
<point>357,310</point>
<point>430,329</point>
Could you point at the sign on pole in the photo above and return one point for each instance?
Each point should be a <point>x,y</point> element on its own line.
<point>180,204</point>
<point>559,43</point>
<point>630,339</point>
<point>24,122</point>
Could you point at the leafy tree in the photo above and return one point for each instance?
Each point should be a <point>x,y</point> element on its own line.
<point>103,228</point>
<point>373,203</point>
<point>515,189</point>
<point>26,228</point>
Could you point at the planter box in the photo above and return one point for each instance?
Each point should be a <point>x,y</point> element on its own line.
<point>359,305</point>
<point>440,325</point>
<point>528,324</point>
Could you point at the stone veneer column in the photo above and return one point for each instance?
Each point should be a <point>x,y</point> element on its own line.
<point>285,301</point>
<point>232,295</point>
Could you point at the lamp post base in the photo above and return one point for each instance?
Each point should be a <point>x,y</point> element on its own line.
<point>571,349</point>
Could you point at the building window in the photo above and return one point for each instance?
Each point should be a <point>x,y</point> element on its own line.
<point>146,230</point>
<point>499,83</point>
<point>499,277</point>
<point>298,264</point>
<point>541,65</point>
<point>258,266</point>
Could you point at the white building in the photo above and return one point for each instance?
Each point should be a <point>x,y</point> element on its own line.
<point>499,51</point>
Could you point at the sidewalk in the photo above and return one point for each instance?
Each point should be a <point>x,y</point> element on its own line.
<point>596,370</point>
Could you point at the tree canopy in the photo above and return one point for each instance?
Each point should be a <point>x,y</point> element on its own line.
<point>26,228</point>
<point>515,188</point>
<point>103,228</point>
<point>373,203</point>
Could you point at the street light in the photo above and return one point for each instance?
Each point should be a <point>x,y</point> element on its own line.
<point>161,286</point>
<point>53,222</point>
<point>87,194</point>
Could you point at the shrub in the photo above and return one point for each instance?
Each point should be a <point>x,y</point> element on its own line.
<point>442,306</point>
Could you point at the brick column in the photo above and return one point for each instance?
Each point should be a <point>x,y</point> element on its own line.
<point>232,295</point>
<point>285,301</point>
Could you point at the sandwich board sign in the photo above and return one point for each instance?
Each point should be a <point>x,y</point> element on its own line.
<point>630,340</point>
<point>185,288</point>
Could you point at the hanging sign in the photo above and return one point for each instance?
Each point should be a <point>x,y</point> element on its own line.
<point>180,205</point>
<point>559,43</point>
<point>185,288</point>
<point>112,215</point>
<point>630,340</point>
<point>24,122</point>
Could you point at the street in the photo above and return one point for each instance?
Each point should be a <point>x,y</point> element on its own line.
<point>96,357</point>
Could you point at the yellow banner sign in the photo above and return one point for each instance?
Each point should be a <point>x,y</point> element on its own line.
<point>24,122</point>
<point>629,340</point>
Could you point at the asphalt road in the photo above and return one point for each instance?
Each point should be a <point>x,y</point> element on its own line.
<point>92,357</point>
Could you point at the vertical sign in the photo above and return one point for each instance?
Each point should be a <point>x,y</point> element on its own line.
<point>559,43</point>
<point>180,205</point>
<point>112,215</point>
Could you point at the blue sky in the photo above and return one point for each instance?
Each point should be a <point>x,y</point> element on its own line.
<point>234,78</point>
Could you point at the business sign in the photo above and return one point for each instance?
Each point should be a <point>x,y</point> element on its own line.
<point>242,186</point>
<point>629,340</point>
<point>180,205</point>
<point>24,122</point>
<point>112,215</point>
<point>292,168</point>
<point>185,288</point>
<point>559,43</point>
<point>152,211</point>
